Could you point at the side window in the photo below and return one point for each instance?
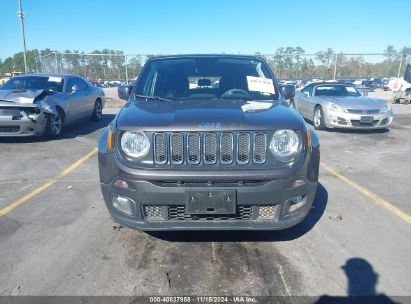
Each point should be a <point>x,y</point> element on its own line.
<point>82,85</point>
<point>150,84</point>
<point>75,81</point>
<point>308,91</point>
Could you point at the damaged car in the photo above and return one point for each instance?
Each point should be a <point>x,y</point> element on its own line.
<point>42,104</point>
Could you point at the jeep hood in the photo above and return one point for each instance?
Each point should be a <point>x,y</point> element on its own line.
<point>207,115</point>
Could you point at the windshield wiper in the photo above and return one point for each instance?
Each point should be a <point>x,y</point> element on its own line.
<point>152,97</point>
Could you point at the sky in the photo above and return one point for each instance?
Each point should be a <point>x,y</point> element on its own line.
<point>208,26</point>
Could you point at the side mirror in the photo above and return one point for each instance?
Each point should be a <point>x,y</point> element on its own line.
<point>124,91</point>
<point>75,88</point>
<point>288,91</point>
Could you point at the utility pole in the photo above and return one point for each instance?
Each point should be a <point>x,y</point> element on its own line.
<point>399,68</point>
<point>56,62</point>
<point>335,65</point>
<point>23,36</point>
<point>125,60</point>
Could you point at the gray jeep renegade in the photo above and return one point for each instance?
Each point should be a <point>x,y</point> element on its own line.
<point>208,142</point>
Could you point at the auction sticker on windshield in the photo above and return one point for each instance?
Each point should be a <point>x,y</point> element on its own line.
<point>260,84</point>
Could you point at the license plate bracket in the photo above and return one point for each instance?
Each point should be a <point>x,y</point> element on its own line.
<point>366,119</point>
<point>210,202</point>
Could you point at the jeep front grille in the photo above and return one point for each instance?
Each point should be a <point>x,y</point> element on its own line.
<point>176,148</point>
<point>193,148</point>
<point>260,146</point>
<point>160,148</point>
<point>226,148</point>
<point>243,148</point>
<point>210,148</point>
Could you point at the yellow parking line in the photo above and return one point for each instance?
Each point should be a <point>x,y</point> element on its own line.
<point>374,197</point>
<point>398,212</point>
<point>46,185</point>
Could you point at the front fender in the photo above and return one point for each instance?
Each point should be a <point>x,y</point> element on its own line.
<point>105,165</point>
<point>314,162</point>
<point>102,141</point>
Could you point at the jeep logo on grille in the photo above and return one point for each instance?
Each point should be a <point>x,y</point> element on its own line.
<point>209,125</point>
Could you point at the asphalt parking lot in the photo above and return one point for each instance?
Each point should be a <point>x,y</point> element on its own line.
<point>57,238</point>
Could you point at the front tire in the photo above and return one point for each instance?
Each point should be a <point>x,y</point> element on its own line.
<point>54,125</point>
<point>98,111</point>
<point>318,119</point>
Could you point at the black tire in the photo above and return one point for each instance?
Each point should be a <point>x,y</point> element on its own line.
<point>54,125</point>
<point>98,111</point>
<point>318,118</point>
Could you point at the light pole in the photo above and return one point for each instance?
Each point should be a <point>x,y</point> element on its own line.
<point>56,62</point>
<point>399,68</point>
<point>125,60</point>
<point>23,37</point>
<point>335,65</point>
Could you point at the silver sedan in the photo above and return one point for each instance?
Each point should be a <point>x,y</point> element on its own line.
<point>336,105</point>
<point>37,104</point>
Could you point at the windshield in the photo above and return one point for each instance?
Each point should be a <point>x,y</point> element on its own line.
<point>336,90</point>
<point>207,78</point>
<point>34,83</point>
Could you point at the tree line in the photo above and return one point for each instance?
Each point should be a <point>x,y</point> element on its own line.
<point>294,63</point>
<point>286,62</point>
<point>101,64</point>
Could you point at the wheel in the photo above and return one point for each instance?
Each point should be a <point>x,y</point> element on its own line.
<point>318,119</point>
<point>54,125</point>
<point>98,111</point>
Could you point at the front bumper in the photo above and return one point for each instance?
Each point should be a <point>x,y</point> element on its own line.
<point>170,197</point>
<point>335,119</point>
<point>23,126</point>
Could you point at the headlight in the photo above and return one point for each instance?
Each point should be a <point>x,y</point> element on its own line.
<point>285,144</point>
<point>385,108</point>
<point>334,107</point>
<point>135,144</point>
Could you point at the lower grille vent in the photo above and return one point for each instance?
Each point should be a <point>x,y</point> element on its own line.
<point>178,213</point>
<point>11,129</point>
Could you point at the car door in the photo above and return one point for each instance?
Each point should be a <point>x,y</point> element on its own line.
<point>311,102</point>
<point>78,98</point>
<point>91,96</point>
<point>304,100</point>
